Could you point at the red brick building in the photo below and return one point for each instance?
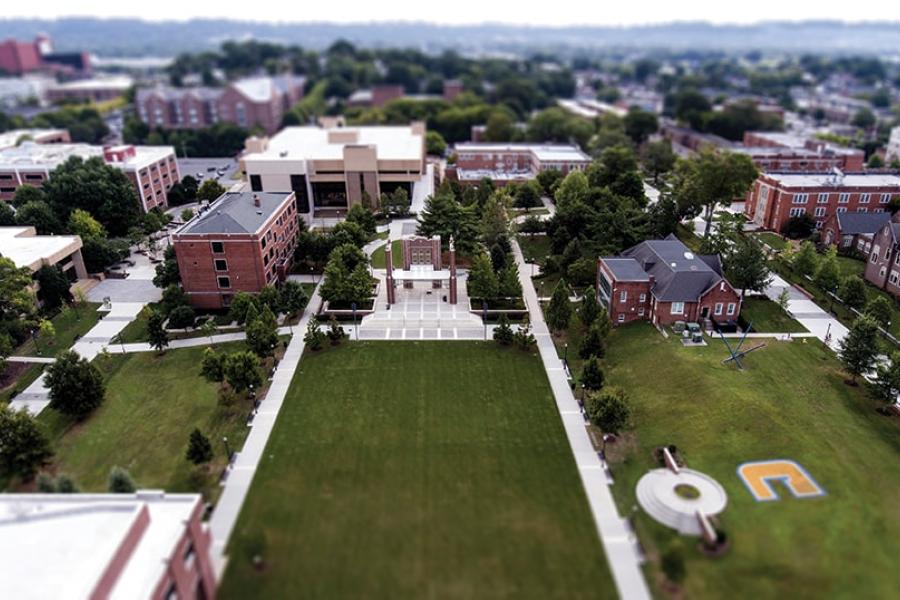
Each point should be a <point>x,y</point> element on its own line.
<point>18,58</point>
<point>241,243</point>
<point>776,197</point>
<point>662,281</point>
<point>506,163</point>
<point>853,230</point>
<point>147,544</point>
<point>780,152</point>
<point>250,102</point>
<point>883,265</point>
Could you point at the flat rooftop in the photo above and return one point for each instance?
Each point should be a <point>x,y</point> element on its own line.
<point>9,139</point>
<point>104,83</point>
<point>50,156</point>
<point>59,545</point>
<point>543,152</point>
<point>26,249</point>
<point>312,143</point>
<point>236,212</point>
<point>860,180</point>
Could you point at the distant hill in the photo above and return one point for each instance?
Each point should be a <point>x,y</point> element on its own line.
<point>133,37</point>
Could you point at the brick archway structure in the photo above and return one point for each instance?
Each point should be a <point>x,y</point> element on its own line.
<point>422,261</point>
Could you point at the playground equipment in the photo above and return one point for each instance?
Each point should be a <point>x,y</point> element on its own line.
<point>736,353</point>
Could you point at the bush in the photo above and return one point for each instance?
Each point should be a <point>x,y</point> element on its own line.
<point>503,333</point>
<point>120,481</point>
<point>799,227</point>
<point>182,317</point>
<point>76,385</point>
<point>672,562</point>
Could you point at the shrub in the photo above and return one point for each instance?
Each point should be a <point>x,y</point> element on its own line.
<point>182,317</point>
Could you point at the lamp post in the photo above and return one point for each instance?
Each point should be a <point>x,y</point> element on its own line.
<point>566,354</point>
<point>484,313</point>
<point>227,449</point>
<point>355,328</point>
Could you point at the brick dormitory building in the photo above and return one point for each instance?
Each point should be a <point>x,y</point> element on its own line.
<point>662,281</point>
<point>505,163</point>
<point>242,242</point>
<point>151,169</point>
<point>776,197</point>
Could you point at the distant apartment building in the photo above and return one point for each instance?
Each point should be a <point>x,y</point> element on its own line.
<point>505,163</point>
<point>242,242</point>
<point>99,89</point>
<point>146,544</point>
<point>883,263</point>
<point>16,137</point>
<point>331,169</point>
<point>789,152</point>
<point>19,58</point>
<point>893,148</point>
<point>379,95</point>
<point>152,169</point>
<point>776,197</point>
<point>250,102</point>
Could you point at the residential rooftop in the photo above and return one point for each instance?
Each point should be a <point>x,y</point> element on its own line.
<point>60,545</point>
<point>25,248</point>
<point>543,152</point>
<point>236,213</point>
<point>856,223</point>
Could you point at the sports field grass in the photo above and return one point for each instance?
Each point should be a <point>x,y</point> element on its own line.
<point>152,404</point>
<point>791,402</point>
<point>417,470</point>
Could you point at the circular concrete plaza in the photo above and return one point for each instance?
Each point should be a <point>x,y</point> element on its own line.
<point>674,499</point>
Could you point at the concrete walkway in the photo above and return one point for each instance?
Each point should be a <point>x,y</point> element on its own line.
<point>31,359</point>
<point>36,397</point>
<point>617,539</point>
<point>816,320</point>
<point>244,466</point>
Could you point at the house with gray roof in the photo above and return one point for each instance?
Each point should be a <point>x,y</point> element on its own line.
<point>883,263</point>
<point>662,281</point>
<point>853,230</point>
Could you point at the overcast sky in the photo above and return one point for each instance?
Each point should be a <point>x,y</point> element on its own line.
<point>557,12</point>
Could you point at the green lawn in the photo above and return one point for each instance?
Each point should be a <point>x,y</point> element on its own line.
<point>152,405</point>
<point>791,402</point>
<point>767,317</point>
<point>851,266</point>
<point>535,248</point>
<point>378,256</point>
<point>773,239</point>
<point>417,470</point>
<point>24,379</point>
<point>69,323</point>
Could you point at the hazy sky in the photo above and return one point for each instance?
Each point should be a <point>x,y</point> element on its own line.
<point>556,12</point>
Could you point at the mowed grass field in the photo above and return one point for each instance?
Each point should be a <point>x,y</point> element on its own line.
<point>791,402</point>
<point>417,470</point>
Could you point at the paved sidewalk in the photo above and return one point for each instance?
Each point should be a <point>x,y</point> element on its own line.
<point>816,320</point>
<point>617,539</point>
<point>241,474</point>
<point>31,359</point>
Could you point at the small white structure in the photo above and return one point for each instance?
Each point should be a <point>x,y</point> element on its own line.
<point>658,494</point>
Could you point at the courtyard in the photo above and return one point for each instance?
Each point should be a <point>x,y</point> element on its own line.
<point>417,469</point>
<point>790,403</point>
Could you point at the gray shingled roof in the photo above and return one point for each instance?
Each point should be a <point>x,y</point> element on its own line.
<point>855,223</point>
<point>626,269</point>
<point>235,212</point>
<point>679,274</point>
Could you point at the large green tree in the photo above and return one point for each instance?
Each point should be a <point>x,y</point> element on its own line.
<point>746,267</point>
<point>859,348</point>
<point>23,446</point>
<point>76,385</point>
<point>445,216</point>
<point>559,311</point>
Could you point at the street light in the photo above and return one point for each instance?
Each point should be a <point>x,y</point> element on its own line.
<point>353,308</point>
<point>484,313</point>
<point>566,354</point>
<point>227,449</point>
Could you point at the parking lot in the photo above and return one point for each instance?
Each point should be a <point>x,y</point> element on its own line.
<point>206,168</point>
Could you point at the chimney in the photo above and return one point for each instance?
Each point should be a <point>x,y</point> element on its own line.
<point>256,201</point>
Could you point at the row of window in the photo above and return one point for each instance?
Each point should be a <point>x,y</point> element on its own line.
<point>843,198</point>
<point>821,210</point>
<point>730,309</point>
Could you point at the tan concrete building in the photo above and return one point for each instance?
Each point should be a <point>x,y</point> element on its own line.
<point>16,137</point>
<point>26,248</point>
<point>330,170</point>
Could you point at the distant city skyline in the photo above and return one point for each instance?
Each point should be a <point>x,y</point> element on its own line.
<point>467,12</point>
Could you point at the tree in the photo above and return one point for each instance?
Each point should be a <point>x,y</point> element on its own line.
<point>262,333</point>
<point>672,562</point>
<point>241,304</point>
<point>859,348</point>
<point>65,485</point>
<point>40,216</point>
<point>523,337</point>
<point>346,277</point>
<point>208,329</point>
<point>167,272</point>
<point>887,379</point>
<point>187,214</point>
<point>559,311</point>
<point>500,127</point>
<point>592,375</point>
<point>210,190</point>
<point>335,331</point>
<point>658,158</point>
<point>82,224</point>
<point>102,190</point>
<point>528,195</point>
<point>23,446</point>
<point>503,333</point>
<point>531,225</point>
<point>241,370</point>
<point>864,119</point>
<point>156,332</point>
<point>120,481</point>
<point>482,281</point>
<point>711,179</point>
<point>875,162</point>
<point>212,367</point>
<point>292,297</point>
<point>494,226</point>
<point>574,188</point>
<point>363,217</point>
<point>828,275</point>
<point>881,310</point>
<point>799,227</point>
<point>199,449</point>
<point>47,331</point>
<point>747,267</point>
<point>549,179</point>
<point>445,216</point>
<point>609,410</point>
<point>7,215</point>
<point>594,341</point>
<point>806,260</point>
<point>53,288</point>
<point>314,336</point>
<point>784,299</point>
<point>76,385</point>
<point>589,309</point>
<point>640,124</point>
<point>27,193</point>
<point>435,143</point>
<point>853,292</point>
<point>508,285</point>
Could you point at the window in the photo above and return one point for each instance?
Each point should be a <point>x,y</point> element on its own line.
<point>731,307</point>
<point>623,296</point>
<point>677,308</point>
<point>862,210</point>
<point>256,183</point>
<point>796,212</point>
<point>820,211</point>
<point>881,272</point>
<point>893,277</point>
<point>221,264</point>
<point>800,198</point>
<point>843,198</point>
<point>885,198</point>
<point>864,198</point>
<point>621,318</point>
<point>218,247</point>
<point>718,310</point>
<point>822,199</point>
<point>897,259</point>
<point>641,311</point>
<point>874,256</point>
<point>842,209</point>
<point>224,282</point>
<point>643,299</point>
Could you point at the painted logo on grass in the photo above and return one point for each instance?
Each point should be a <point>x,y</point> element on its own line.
<point>757,476</point>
